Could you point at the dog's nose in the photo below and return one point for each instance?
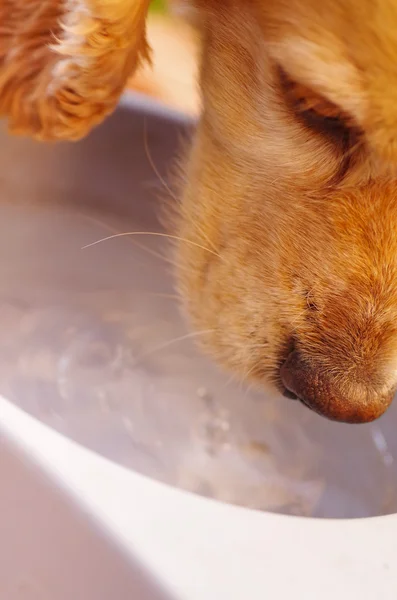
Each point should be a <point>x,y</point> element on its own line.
<point>334,397</point>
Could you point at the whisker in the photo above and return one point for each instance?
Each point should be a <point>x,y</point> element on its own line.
<point>155,233</point>
<point>248,389</point>
<point>181,338</point>
<point>156,294</point>
<point>151,161</point>
<point>245,386</point>
<point>114,231</point>
<point>229,381</point>
<point>149,250</point>
<point>165,184</point>
<point>295,322</point>
<point>250,370</point>
<point>240,380</point>
<point>207,238</point>
<point>164,295</point>
<point>152,252</point>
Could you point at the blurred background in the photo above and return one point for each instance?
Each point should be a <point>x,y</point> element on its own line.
<point>172,79</point>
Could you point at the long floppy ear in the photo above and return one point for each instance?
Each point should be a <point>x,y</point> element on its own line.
<point>64,63</point>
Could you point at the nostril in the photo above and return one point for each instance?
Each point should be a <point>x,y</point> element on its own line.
<point>335,398</point>
<point>290,373</point>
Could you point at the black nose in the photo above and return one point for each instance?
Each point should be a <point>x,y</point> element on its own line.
<point>334,396</point>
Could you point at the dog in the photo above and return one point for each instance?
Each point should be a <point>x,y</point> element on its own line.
<point>287,221</point>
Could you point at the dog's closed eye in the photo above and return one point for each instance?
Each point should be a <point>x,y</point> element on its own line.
<point>315,111</point>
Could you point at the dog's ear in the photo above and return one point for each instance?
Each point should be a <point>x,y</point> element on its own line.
<point>64,64</point>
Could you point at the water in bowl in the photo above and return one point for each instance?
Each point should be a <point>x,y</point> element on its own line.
<point>92,343</point>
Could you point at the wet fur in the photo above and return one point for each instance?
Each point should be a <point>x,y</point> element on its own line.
<point>301,218</point>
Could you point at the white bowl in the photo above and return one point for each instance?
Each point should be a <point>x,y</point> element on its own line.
<point>93,347</point>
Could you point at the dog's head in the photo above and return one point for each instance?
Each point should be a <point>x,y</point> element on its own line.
<point>290,203</point>
<point>291,200</point>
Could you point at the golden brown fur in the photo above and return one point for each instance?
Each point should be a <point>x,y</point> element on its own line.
<point>290,197</point>
<point>65,63</point>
